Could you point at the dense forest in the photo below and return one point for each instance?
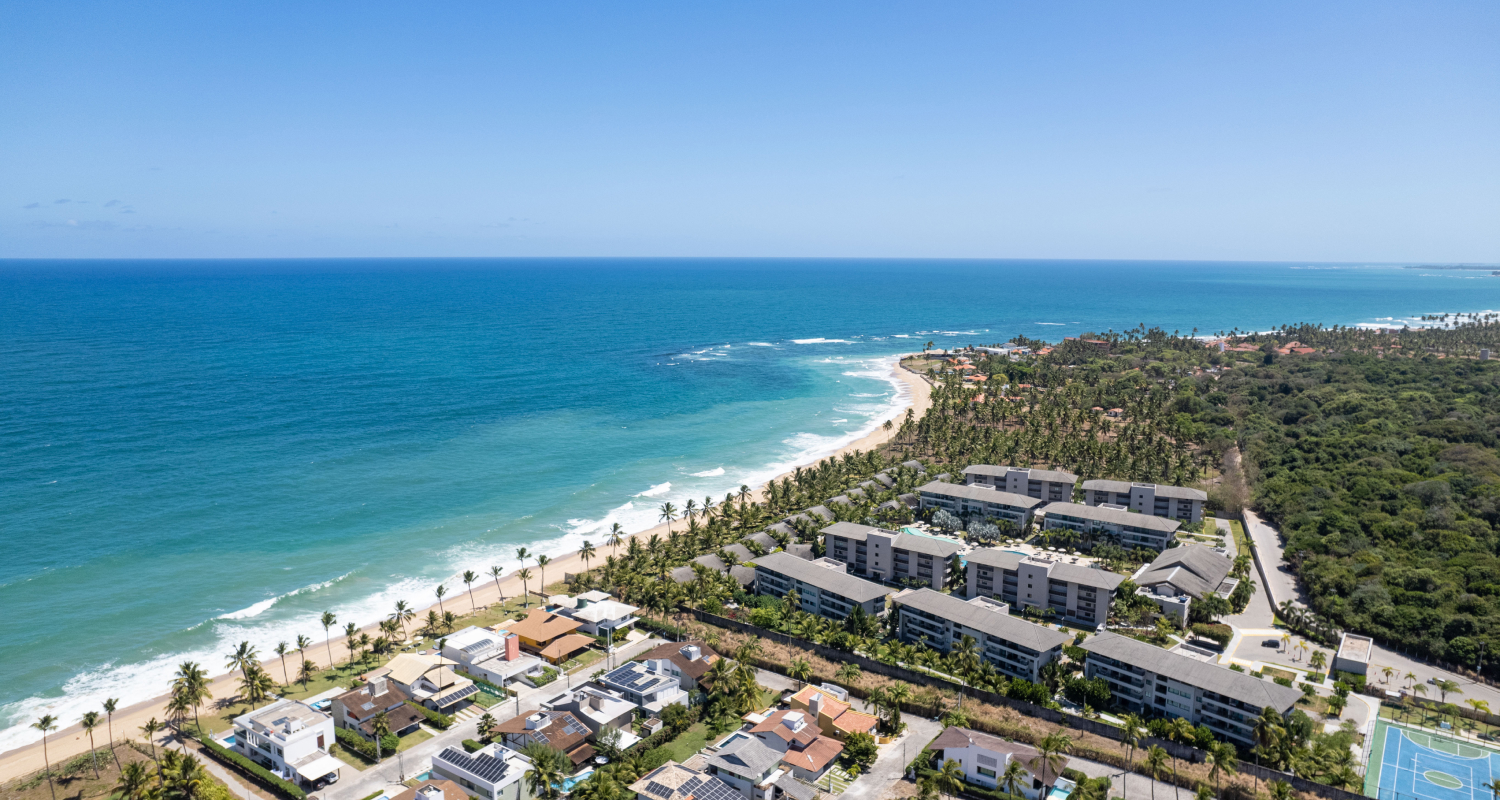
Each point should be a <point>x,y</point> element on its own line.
<point>1374,453</point>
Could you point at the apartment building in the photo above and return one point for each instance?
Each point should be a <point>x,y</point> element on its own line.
<point>290,739</point>
<point>823,591</point>
<point>1053,486</point>
<point>1076,594</point>
<point>1016,647</point>
<point>977,500</point>
<point>1172,502</point>
<point>1150,680</point>
<point>882,555</point>
<point>1130,529</point>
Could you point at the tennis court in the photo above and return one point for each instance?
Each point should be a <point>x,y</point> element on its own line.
<point>1408,764</point>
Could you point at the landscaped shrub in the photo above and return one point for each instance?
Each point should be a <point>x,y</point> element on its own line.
<point>471,746</point>
<point>352,741</point>
<point>440,721</point>
<point>1214,632</point>
<point>251,769</point>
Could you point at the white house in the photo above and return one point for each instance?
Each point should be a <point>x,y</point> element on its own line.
<point>491,772</point>
<point>289,739</point>
<point>652,685</point>
<point>985,759</point>
<point>597,708</point>
<point>598,613</point>
<point>491,655</point>
<point>746,766</point>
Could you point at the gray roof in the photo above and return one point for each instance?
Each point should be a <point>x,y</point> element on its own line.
<point>913,464</point>
<point>842,500</point>
<point>909,499</point>
<point>763,539</point>
<point>795,789</point>
<point>1123,487</point>
<point>1072,573</point>
<point>856,589</point>
<point>994,557</point>
<point>750,758</point>
<point>884,480</point>
<point>782,527</point>
<point>1222,680</point>
<point>744,575</point>
<point>802,551</point>
<point>1193,568</point>
<point>983,618</point>
<point>1113,515</point>
<point>741,551</point>
<point>821,511</point>
<point>712,561</point>
<point>942,548</point>
<point>863,485</point>
<point>1053,475</point>
<point>893,505</point>
<point>852,530</point>
<point>981,493</point>
<point>683,574</point>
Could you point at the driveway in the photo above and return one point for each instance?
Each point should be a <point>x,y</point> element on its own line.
<point>1258,612</point>
<point>1282,582</point>
<point>890,765</point>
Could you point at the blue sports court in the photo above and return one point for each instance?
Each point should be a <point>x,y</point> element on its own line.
<point>1417,765</point>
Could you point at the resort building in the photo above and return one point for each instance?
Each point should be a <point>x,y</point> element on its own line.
<point>899,558</point>
<point>1354,654</point>
<point>1075,594</point>
<point>597,613</point>
<point>490,773</point>
<point>1147,679</point>
<point>823,591</point>
<point>357,709</point>
<point>1053,486</point>
<point>673,781</point>
<point>689,661</point>
<point>833,715</point>
<point>434,790</point>
<point>597,708</point>
<point>431,681</point>
<point>646,684</point>
<point>1183,574</point>
<point>493,656</point>
<point>747,766</point>
<point>985,757</point>
<point>559,730</point>
<point>803,747</point>
<point>978,501</point>
<point>1172,502</point>
<point>1130,529</point>
<point>1016,647</point>
<point>289,739</point>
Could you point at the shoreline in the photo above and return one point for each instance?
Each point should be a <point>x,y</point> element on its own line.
<point>70,740</point>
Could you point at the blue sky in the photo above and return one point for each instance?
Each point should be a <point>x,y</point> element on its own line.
<point>1360,131</point>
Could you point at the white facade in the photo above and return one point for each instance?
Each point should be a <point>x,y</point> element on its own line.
<point>986,758</point>
<point>1041,484</point>
<point>492,772</point>
<point>288,738</point>
<point>1172,502</point>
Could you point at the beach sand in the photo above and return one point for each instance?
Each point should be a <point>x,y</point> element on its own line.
<point>71,740</point>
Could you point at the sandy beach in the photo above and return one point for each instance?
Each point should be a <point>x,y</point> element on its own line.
<point>71,740</point>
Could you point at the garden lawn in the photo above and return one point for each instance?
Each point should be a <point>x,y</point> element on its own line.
<point>689,742</point>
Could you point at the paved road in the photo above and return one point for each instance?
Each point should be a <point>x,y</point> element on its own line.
<point>391,772</point>
<point>1258,612</point>
<point>890,765</point>
<point>1282,581</point>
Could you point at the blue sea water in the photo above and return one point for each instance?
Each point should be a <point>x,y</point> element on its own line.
<point>196,453</point>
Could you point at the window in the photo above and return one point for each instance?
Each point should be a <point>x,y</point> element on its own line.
<point>988,773</point>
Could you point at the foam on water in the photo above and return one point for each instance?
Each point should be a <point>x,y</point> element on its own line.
<point>712,473</point>
<point>657,491</point>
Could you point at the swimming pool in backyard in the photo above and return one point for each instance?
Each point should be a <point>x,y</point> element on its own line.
<point>568,784</point>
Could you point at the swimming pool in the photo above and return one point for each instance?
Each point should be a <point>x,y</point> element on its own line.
<point>567,785</point>
<point>915,532</point>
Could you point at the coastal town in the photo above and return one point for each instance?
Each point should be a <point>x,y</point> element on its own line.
<point>895,621</point>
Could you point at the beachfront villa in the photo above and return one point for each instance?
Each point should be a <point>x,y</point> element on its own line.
<point>290,739</point>
<point>597,708</point>
<point>1129,528</point>
<point>1042,484</point>
<point>891,557</point>
<point>356,709</point>
<point>689,661</point>
<point>653,685</point>
<point>985,757</point>
<point>491,772</point>
<point>494,656</point>
<point>1172,502</point>
<point>978,501</point>
<point>1073,593</point>
<point>431,681</point>
<point>1015,647</point>
<point>824,591</point>
<point>597,613</point>
<point>673,781</point>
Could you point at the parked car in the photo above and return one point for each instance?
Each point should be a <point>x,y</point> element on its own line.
<point>1270,642</point>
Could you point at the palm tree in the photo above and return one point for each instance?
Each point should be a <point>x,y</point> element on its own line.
<point>1318,660</point>
<point>950,779</point>
<point>1156,764</point>
<point>1445,686</point>
<point>89,722</point>
<point>381,727</point>
<point>191,684</point>
<point>243,658</point>
<point>351,640</point>
<point>1387,672</point>
<point>668,513</point>
<point>546,770</point>
<point>1286,639</point>
<point>586,552</point>
<point>1411,679</point>
<point>112,703</point>
<point>308,671</point>
<point>441,592</point>
<point>46,725</point>
<point>1481,706</point>
<point>614,536</point>
<point>1494,787</point>
<point>469,577</point>
<point>150,729</point>
<point>541,563</point>
<point>1013,780</point>
<point>522,554</point>
<point>402,615</point>
<point>256,686</point>
<point>525,576</point>
<point>1050,750</point>
<point>134,782</point>
<point>799,670</point>
<point>1131,730</point>
<point>1223,760</point>
<point>848,674</point>
<point>496,572</point>
<point>329,620</point>
<point>1280,790</point>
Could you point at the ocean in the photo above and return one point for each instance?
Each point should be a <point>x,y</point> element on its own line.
<point>196,453</point>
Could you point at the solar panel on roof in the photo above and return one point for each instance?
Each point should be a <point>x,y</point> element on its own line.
<point>659,790</point>
<point>485,767</point>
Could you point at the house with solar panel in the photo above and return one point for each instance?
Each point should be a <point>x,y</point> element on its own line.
<point>431,681</point>
<point>747,766</point>
<point>803,747</point>
<point>823,590</point>
<point>559,730</point>
<point>597,708</point>
<point>495,656</point>
<point>646,684</point>
<point>490,773</point>
<point>356,709</point>
<point>673,781</point>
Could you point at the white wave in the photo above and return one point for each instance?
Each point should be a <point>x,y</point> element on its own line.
<point>837,421</point>
<point>760,344</point>
<point>252,611</point>
<point>821,341</point>
<point>713,473</point>
<point>1051,323</point>
<point>657,490</point>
